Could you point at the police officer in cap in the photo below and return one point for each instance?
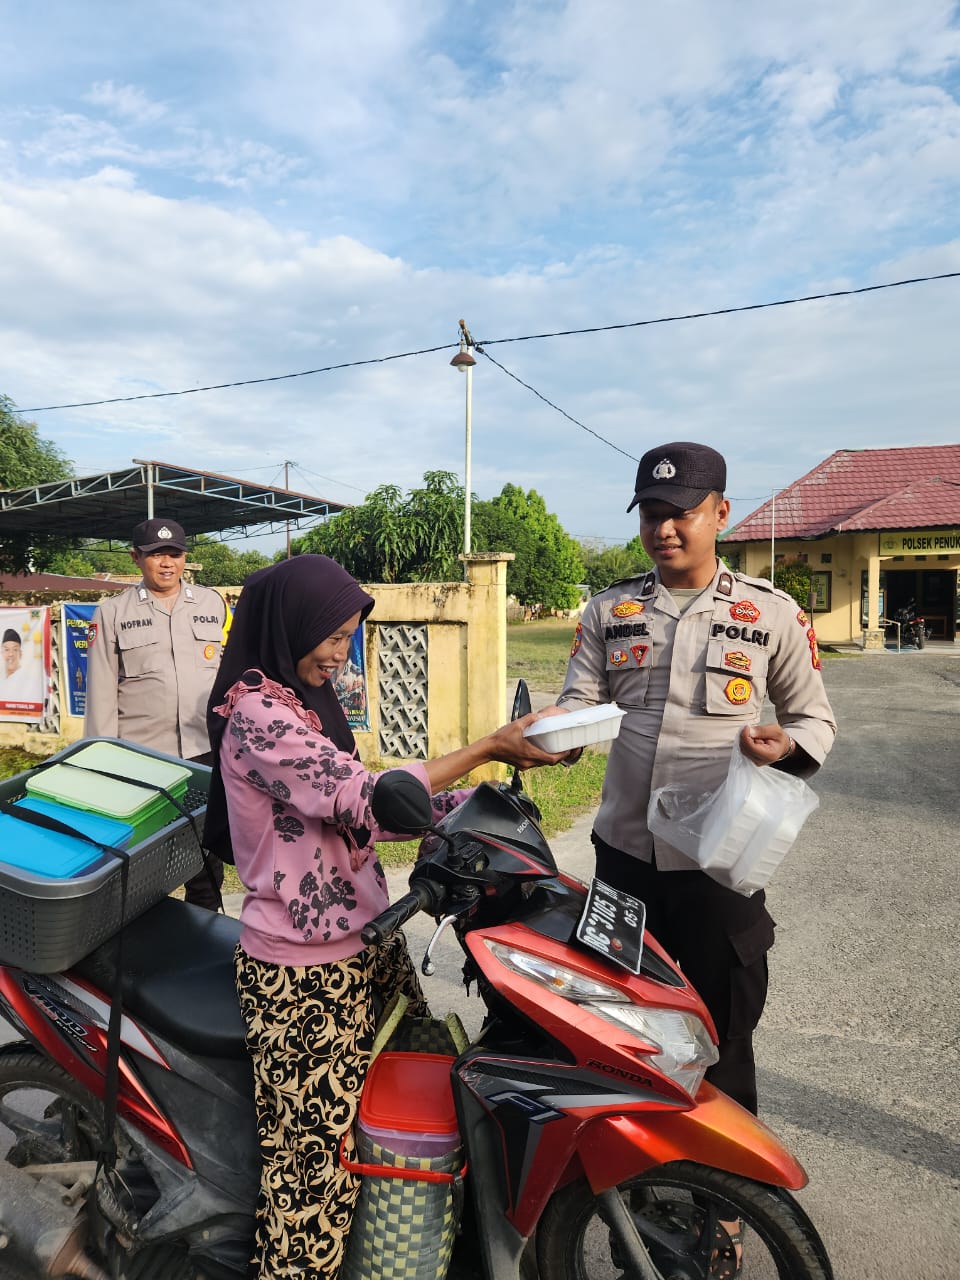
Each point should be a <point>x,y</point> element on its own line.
<point>690,651</point>
<point>152,655</point>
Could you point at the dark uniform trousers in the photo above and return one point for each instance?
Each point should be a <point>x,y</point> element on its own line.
<point>720,939</point>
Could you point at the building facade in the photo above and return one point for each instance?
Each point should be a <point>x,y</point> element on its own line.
<point>879,530</point>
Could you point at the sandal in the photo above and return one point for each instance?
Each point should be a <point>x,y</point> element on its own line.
<point>727,1260</point>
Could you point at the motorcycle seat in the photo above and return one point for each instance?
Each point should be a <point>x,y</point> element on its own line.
<point>178,977</point>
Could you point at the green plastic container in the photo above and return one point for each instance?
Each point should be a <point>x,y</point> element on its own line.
<point>81,785</point>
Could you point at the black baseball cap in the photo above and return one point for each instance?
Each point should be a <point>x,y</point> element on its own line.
<point>681,473</point>
<point>159,535</point>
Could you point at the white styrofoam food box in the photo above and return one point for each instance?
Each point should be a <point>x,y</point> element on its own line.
<point>578,728</point>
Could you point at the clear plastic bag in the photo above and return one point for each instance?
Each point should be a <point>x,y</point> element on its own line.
<point>740,833</point>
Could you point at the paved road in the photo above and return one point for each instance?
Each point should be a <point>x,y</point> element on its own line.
<point>859,1048</point>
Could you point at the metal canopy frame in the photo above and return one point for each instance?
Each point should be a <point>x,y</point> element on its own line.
<point>109,505</point>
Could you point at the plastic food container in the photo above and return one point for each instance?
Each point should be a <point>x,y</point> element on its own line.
<point>408,1146</point>
<point>52,853</point>
<point>578,728</point>
<point>86,787</point>
<point>50,921</point>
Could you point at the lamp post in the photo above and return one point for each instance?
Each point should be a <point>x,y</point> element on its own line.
<point>773,516</point>
<point>464,361</point>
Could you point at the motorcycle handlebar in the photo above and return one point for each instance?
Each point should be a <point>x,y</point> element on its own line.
<point>420,897</point>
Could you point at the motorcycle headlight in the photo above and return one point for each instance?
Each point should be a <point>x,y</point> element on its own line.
<point>682,1046</point>
<point>675,1042</point>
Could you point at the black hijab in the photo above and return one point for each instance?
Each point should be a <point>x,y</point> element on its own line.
<point>284,612</point>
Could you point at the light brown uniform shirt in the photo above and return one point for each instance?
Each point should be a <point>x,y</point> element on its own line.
<point>689,684</point>
<point>150,671</point>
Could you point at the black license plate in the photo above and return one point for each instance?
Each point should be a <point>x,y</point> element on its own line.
<point>612,923</point>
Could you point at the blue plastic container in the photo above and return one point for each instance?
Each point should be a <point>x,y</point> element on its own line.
<point>49,853</point>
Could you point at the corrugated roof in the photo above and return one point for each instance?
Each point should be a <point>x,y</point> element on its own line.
<point>863,489</point>
<point>57,583</point>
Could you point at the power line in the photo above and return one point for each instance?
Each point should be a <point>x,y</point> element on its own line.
<point>243,382</point>
<point>530,337</point>
<point>563,412</point>
<point>729,311</point>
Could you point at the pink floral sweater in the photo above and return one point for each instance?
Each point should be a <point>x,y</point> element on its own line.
<point>301,828</point>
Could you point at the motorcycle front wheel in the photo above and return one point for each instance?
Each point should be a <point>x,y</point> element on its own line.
<point>679,1210</point>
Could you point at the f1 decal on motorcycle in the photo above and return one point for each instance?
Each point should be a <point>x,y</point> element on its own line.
<point>536,1111</point>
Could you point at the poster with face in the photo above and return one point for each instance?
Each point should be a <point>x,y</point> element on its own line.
<point>25,664</point>
<point>351,684</point>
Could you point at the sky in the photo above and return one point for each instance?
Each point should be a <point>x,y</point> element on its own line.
<point>194,195</point>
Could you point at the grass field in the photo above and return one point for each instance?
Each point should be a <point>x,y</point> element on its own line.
<point>538,652</point>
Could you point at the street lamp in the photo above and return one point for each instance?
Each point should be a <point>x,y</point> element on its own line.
<point>464,361</point>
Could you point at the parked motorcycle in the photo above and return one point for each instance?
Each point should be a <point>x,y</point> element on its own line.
<point>913,632</point>
<point>592,1145</point>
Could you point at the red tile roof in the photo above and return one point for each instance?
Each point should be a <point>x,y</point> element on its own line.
<point>863,489</point>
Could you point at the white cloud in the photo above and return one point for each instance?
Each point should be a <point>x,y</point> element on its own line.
<point>126,101</point>
<point>232,193</point>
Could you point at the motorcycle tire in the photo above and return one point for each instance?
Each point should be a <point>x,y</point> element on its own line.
<point>921,638</point>
<point>677,1209</point>
<point>54,1120</point>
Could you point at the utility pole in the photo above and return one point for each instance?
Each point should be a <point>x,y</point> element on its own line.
<point>286,485</point>
<point>464,362</point>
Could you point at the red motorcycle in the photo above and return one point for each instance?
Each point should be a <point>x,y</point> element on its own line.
<point>592,1147</point>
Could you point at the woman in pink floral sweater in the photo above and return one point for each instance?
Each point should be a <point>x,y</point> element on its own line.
<point>290,800</point>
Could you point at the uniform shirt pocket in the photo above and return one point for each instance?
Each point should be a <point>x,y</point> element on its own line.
<point>139,653</point>
<point>736,678</point>
<point>208,634</point>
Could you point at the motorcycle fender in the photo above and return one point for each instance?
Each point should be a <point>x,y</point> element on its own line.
<point>716,1132</point>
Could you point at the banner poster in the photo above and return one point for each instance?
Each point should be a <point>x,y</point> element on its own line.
<point>76,620</point>
<point>351,684</point>
<point>25,662</point>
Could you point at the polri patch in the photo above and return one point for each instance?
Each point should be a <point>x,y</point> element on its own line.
<point>627,609</point>
<point>639,652</point>
<point>618,657</point>
<point>737,691</point>
<point>803,619</point>
<point>738,660</point>
<point>577,640</point>
<point>814,649</point>
<point>744,611</point>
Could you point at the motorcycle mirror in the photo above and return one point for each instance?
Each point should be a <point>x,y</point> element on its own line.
<point>401,803</point>
<point>521,701</point>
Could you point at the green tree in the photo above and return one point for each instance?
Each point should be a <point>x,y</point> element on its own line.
<point>548,566</point>
<point>395,538</point>
<point>603,565</point>
<point>793,576</point>
<point>222,565</point>
<point>27,459</point>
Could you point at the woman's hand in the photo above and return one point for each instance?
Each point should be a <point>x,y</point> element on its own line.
<point>507,744</point>
<point>511,747</point>
<point>766,743</point>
